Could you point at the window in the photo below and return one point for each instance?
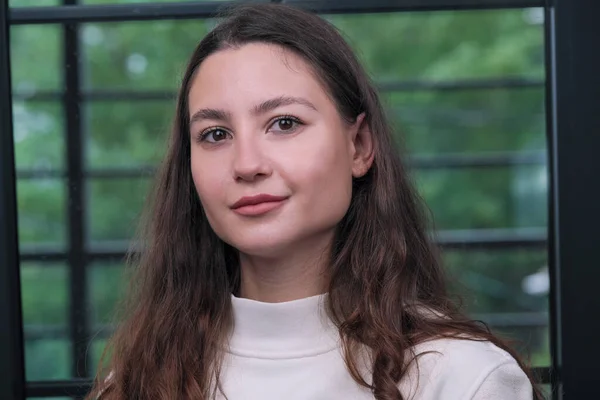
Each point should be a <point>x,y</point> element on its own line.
<point>92,106</point>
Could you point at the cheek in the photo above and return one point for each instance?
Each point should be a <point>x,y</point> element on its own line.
<point>208,183</point>
<point>323,173</point>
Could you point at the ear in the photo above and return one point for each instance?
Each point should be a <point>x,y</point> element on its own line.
<point>362,147</point>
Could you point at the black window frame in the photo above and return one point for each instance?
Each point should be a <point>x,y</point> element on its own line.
<point>571,88</point>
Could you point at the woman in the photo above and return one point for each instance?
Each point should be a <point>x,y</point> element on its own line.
<point>287,255</point>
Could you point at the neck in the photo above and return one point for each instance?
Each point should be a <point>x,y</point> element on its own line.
<point>301,273</point>
<point>292,329</point>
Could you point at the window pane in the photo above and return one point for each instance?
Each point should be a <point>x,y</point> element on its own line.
<point>107,282</point>
<point>508,289</point>
<point>137,1</point>
<point>467,121</point>
<point>119,55</point>
<point>114,207</point>
<point>35,53</point>
<point>98,347</point>
<point>44,293</point>
<point>485,198</point>
<point>41,208</point>
<point>447,45</point>
<point>533,343</point>
<point>38,135</point>
<point>107,285</point>
<point>33,3</point>
<point>127,134</point>
<point>500,280</point>
<point>47,359</point>
<point>547,391</point>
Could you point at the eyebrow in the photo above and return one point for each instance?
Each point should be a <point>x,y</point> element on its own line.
<point>262,108</point>
<point>210,113</point>
<point>281,101</point>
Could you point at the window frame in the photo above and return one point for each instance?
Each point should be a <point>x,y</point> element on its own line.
<point>572,211</point>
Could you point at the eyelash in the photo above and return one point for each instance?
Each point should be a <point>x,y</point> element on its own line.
<point>201,137</point>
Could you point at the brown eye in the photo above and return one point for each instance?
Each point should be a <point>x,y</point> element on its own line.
<point>214,135</point>
<point>219,134</point>
<point>285,124</point>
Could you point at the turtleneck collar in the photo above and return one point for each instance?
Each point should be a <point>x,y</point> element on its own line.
<point>292,329</point>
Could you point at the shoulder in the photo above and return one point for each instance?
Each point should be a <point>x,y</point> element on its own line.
<point>465,369</point>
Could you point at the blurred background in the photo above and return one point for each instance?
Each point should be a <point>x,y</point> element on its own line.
<point>92,107</point>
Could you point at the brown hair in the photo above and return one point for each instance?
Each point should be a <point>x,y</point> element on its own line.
<point>382,260</point>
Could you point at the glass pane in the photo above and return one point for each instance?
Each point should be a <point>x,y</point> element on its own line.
<point>447,45</point>
<point>500,280</point>
<point>137,1</point>
<point>38,135</point>
<point>47,359</point>
<point>485,198</point>
<point>107,285</point>
<point>98,347</point>
<point>114,207</point>
<point>468,121</point>
<point>44,294</point>
<point>127,134</point>
<point>107,282</point>
<point>547,391</point>
<point>33,3</point>
<point>119,55</point>
<point>508,289</point>
<point>539,352</point>
<point>35,54</point>
<point>45,302</point>
<point>533,343</point>
<point>41,208</point>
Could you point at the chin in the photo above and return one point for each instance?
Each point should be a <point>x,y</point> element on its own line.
<point>266,241</point>
<point>280,244</point>
<point>262,248</point>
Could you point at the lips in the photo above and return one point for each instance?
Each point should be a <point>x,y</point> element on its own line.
<point>257,205</point>
<point>253,200</point>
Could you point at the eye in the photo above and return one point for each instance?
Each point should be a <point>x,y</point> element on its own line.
<point>213,135</point>
<point>285,124</point>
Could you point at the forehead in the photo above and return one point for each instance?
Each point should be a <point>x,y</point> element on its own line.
<point>253,72</point>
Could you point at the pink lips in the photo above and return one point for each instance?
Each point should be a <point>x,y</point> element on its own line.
<point>257,205</point>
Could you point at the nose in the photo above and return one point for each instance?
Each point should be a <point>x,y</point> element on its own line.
<point>249,161</point>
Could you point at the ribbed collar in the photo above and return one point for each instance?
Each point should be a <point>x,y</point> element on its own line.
<point>292,329</point>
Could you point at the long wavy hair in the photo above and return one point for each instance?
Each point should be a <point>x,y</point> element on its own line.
<point>170,343</point>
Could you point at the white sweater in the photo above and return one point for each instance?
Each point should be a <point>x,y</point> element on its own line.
<point>291,351</point>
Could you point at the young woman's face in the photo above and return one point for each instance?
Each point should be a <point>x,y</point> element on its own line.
<point>271,158</point>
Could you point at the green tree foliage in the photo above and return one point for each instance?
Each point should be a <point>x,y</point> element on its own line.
<point>150,56</point>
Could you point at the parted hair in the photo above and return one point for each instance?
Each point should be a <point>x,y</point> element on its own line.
<point>169,345</point>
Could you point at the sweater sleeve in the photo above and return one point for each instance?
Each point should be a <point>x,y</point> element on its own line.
<point>505,382</point>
